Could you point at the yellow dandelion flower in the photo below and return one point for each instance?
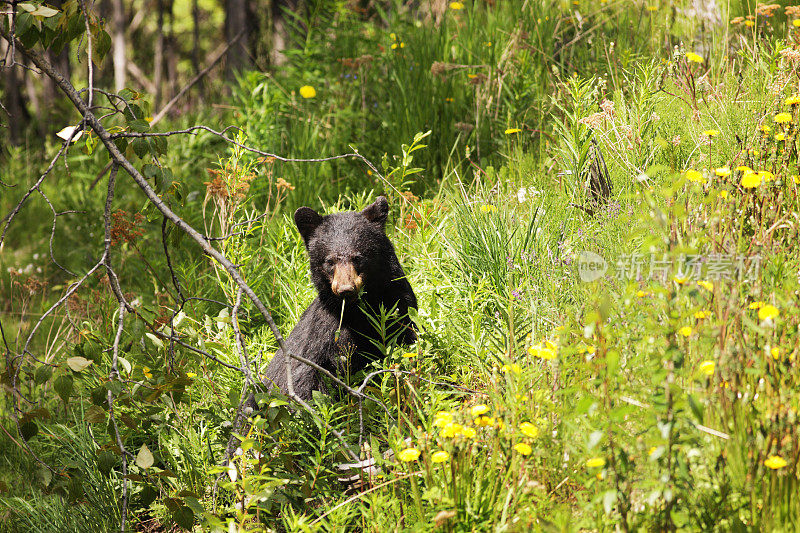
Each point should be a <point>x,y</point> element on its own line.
<point>694,176</point>
<point>402,45</point>
<point>765,129</point>
<point>510,131</point>
<point>408,455</point>
<point>756,305</point>
<point>794,99</point>
<point>652,8</point>
<point>783,118</point>
<point>440,457</point>
<point>451,429</point>
<point>685,331</point>
<point>707,368</point>
<point>743,168</point>
<point>442,418</point>
<point>479,409</point>
<point>514,367</point>
<point>751,180</point>
<point>641,294</point>
<point>523,448</point>
<point>394,46</point>
<point>796,23</point>
<point>775,462</point>
<point>307,91</point>
<point>191,375</point>
<point>488,208</point>
<point>775,353</point>
<point>456,6</point>
<point>596,462</point>
<point>529,430</point>
<point>749,23</point>
<point>723,194</point>
<point>146,372</point>
<point>484,421</point>
<point>796,179</point>
<point>700,315</point>
<point>707,285</point>
<point>694,58</point>
<point>409,355</point>
<point>652,450</point>
<point>469,433</point>
<point>768,312</point>
<point>780,137</point>
<point>393,36</point>
<point>680,280</point>
<point>711,133</point>
<point>722,172</point>
<point>546,351</point>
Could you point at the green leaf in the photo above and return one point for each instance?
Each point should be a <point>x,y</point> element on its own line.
<point>148,495</point>
<point>140,147</point>
<point>42,374</point>
<point>121,143</point>
<point>91,143</point>
<point>102,44</point>
<point>45,475</point>
<point>105,462</point>
<point>43,11</point>
<point>95,414</point>
<point>184,517</point>
<point>155,340</point>
<point>99,395</point>
<point>128,95</point>
<point>91,350</point>
<point>28,430</point>
<point>63,387</point>
<point>124,364</point>
<point>144,459</point>
<point>139,125</point>
<point>78,363</point>
<point>150,171</point>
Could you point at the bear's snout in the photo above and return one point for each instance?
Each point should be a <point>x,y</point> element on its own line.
<point>346,282</point>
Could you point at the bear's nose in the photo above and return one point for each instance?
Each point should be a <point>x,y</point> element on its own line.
<point>346,290</point>
<point>346,282</point>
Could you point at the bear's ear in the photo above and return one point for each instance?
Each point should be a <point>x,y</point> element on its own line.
<point>378,211</point>
<point>307,221</point>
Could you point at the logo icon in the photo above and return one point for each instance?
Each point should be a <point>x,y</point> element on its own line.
<point>591,266</point>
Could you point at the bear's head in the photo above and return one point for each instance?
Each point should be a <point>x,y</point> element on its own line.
<point>348,252</point>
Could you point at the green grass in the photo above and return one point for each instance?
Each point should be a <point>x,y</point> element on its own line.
<point>624,403</point>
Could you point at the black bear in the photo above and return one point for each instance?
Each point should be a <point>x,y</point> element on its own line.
<point>356,272</point>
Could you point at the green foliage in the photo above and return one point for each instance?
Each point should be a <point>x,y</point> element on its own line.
<point>534,399</point>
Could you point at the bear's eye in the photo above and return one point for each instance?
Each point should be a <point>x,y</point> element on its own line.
<point>329,262</point>
<point>357,260</point>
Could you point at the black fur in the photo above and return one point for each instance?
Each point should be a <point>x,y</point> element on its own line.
<point>343,240</point>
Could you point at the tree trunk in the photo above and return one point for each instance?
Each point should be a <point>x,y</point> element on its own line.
<point>280,29</point>
<point>235,23</point>
<point>120,69</point>
<point>196,37</point>
<point>15,114</point>
<point>172,54</point>
<point>158,56</point>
